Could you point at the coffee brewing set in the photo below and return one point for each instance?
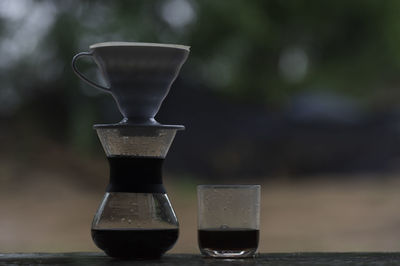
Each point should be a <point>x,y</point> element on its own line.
<point>135,218</point>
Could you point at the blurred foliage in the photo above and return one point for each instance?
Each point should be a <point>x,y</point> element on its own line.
<point>253,51</point>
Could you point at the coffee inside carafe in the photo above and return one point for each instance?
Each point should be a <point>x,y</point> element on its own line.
<point>135,243</point>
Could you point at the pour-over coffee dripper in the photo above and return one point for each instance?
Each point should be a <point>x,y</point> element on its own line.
<point>139,75</point>
<point>135,218</point>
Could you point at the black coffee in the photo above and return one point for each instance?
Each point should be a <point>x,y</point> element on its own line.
<point>228,239</point>
<point>135,243</point>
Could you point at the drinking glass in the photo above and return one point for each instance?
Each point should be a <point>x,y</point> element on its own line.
<point>228,220</point>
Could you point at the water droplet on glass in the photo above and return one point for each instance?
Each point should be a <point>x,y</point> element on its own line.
<point>224,226</point>
<point>129,221</point>
<point>122,219</point>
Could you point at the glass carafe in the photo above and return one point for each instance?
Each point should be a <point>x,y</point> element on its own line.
<point>135,218</point>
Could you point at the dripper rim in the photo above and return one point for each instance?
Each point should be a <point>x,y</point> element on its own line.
<point>164,45</point>
<point>122,125</point>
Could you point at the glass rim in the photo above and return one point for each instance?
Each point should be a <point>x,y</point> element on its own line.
<point>228,186</point>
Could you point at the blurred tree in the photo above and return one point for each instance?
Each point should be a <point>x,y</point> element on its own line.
<point>255,51</point>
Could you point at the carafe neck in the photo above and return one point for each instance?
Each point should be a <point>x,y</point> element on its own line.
<point>135,174</point>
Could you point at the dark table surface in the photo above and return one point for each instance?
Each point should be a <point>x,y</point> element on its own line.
<point>189,259</point>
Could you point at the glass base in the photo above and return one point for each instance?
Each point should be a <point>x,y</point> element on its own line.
<point>228,253</point>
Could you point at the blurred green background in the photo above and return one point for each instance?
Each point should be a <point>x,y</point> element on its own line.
<point>299,96</point>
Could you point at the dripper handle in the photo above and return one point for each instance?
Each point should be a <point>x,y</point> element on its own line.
<point>83,77</point>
